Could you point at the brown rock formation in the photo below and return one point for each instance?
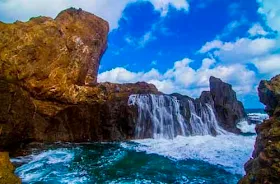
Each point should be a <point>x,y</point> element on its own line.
<point>48,71</point>
<point>49,56</point>
<point>6,170</point>
<point>264,167</point>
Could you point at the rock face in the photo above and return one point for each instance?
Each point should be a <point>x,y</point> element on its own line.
<point>229,110</point>
<point>6,170</point>
<point>264,167</point>
<point>48,71</point>
<point>49,56</point>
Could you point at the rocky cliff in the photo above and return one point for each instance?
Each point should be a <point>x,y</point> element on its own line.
<point>48,71</point>
<point>264,166</point>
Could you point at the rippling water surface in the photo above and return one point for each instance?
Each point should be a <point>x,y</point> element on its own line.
<point>200,159</point>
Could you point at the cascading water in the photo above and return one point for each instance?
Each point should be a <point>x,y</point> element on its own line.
<point>205,122</point>
<point>159,116</point>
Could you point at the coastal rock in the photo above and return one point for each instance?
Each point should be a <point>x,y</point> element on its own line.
<point>17,116</point>
<point>49,91</point>
<point>264,166</point>
<point>229,110</point>
<point>48,72</point>
<point>50,56</point>
<point>269,93</point>
<point>6,170</point>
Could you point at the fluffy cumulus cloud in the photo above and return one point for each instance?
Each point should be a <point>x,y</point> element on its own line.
<point>243,50</point>
<point>268,64</point>
<point>259,48</point>
<point>110,10</point>
<point>184,79</point>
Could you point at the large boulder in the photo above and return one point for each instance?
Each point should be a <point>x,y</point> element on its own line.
<point>264,166</point>
<point>48,56</point>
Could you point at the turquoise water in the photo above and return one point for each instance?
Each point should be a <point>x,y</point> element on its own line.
<point>201,159</point>
<point>194,160</point>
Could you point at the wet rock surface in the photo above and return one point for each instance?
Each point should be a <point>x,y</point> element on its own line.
<point>264,166</point>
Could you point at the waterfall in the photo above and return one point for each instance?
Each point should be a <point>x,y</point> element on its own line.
<point>159,116</point>
<point>205,122</point>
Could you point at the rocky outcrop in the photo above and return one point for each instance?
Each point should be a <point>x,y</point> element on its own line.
<point>50,56</point>
<point>6,170</point>
<point>264,166</point>
<point>229,110</point>
<point>48,71</point>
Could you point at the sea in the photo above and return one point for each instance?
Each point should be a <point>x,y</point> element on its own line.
<point>194,159</point>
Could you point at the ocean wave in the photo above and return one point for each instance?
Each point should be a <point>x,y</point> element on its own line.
<point>229,152</point>
<point>258,117</point>
<point>245,127</point>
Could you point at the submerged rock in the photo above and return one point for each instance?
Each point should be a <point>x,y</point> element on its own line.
<point>6,170</point>
<point>264,166</point>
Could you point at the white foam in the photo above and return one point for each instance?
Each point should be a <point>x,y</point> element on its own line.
<point>258,116</point>
<point>31,171</point>
<point>245,127</point>
<point>227,151</point>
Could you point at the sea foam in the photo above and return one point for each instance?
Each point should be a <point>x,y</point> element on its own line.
<point>229,152</point>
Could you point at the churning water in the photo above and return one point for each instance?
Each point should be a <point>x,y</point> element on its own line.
<point>175,150</point>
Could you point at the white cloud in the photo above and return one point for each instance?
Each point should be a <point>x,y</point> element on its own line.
<point>163,5</point>
<point>269,65</point>
<point>184,79</point>
<point>215,44</point>
<point>110,10</point>
<point>142,41</point>
<point>243,50</point>
<point>257,30</point>
<point>270,9</point>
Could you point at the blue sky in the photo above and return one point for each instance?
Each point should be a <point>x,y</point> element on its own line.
<point>178,44</point>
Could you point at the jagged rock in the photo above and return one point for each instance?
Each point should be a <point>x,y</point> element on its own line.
<point>269,93</point>
<point>264,166</point>
<point>228,109</point>
<point>6,170</point>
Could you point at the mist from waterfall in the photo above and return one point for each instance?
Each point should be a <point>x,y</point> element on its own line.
<point>160,116</point>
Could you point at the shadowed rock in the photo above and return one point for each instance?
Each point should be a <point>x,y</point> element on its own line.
<point>229,110</point>
<point>264,166</point>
